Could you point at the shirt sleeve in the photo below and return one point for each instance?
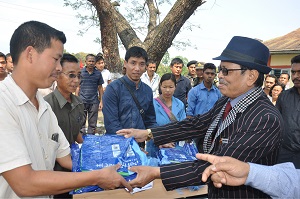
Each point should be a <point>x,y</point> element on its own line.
<point>110,110</point>
<point>191,102</point>
<point>278,181</point>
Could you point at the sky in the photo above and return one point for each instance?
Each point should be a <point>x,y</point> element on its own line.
<point>219,21</point>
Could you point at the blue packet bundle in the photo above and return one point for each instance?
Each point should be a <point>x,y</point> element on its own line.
<point>98,152</point>
<point>181,153</point>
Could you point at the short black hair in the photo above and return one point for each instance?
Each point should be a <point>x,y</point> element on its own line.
<point>285,73</point>
<point>209,66</point>
<point>150,61</point>
<point>89,55</point>
<point>68,58</point>
<point>176,61</point>
<point>35,34</point>
<point>136,51</point>
<point>272,76</point>
<point>3,55</point>
<point>295,59</point>
<point>98,58</point>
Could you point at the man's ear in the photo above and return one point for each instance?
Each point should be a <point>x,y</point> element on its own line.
<point>29,53</point>
<point>252,77</point>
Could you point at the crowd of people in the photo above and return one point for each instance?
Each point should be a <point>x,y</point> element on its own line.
<point>248,115</point>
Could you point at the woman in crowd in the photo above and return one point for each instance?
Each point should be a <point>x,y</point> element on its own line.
<point>275,90</point>
<point>167,108</point>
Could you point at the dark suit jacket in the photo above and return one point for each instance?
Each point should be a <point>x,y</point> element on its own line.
<point>254,136</point>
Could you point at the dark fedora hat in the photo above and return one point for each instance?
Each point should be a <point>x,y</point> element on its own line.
<point>247,52</point>
<point>191,62</point>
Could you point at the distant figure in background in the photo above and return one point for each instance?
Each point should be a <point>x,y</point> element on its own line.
<point>9,63</point>
<point>88,90</point>
<point>275,91</point>
<point>151,78</point>
<point>270,80</point>
<point>203,97</point>
<point>183,84</point>
<point>67,107</point>
<point>288,104</point>
<point>106,75</point>
<point>192,71</point>
<point>284,79</point>
<point>167,109</point>
<point>3,72</point>
<point>199,73</point>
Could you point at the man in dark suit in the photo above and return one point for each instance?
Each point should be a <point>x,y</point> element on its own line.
<point>249,132</point>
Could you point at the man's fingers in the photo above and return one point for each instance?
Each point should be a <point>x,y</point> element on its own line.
<point>126,184</point>
<point>207,172</point>
<point>133,169</point>
<point>207,157</point>
<point>117,166</point>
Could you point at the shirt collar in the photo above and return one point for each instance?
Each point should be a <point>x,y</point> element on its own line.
<point>237,99</point>
<point>62,101</point>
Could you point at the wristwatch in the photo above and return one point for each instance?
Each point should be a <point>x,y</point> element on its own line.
<point>150,135</point>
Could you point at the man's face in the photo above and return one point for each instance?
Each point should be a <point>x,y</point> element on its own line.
<point>284,78</point>
<point>235,83</point>
<point>269,82</point>
<point>199,73</point>
<point>46,65</point>
<point>135,67</point>
<point>192,69</point>
<point>9,64</point>
<point>176,69</point>
<point>90,62</point>
<point>2,65</point>
<point>295,74</point>
<point>209,76</point>
<point>69,78</point>
<point>100,64</point>
<point>151,68</point>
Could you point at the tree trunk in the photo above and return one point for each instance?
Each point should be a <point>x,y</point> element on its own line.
<point>159,37</point>
<point>109,37</point>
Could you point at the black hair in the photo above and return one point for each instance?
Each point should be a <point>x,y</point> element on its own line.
<point>167,76</point>
<point>136,51</point>
<point>35,34</point>
<point>150,61</point>
<point>3,55</point>
<point>209,66</point>
<point>176,61</point>
<point>98,58</point>
<point>272,76</point>
<point>286,73</point>
<point>277,84</point>
<point>68,58</point>
<point>295,59</point>
<point>89,55</point>
<point>260,80</point>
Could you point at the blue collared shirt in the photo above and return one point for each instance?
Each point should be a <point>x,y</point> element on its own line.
<point>120,111</point>
<point>201,100</point>
<point>89,86</point>
<point>183,86</point>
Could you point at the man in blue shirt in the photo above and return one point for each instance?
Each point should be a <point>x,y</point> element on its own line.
<point>202,97</point>
<point>90,84</point>
<point>119,108</point>
<point>183,84</point>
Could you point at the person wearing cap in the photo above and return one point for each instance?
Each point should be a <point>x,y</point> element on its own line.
<point>199,73</point>
<point>191,65</point>
<point>243,124</point>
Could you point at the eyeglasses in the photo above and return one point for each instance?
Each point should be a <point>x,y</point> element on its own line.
<point>225,70</point>
<point>72,75</point>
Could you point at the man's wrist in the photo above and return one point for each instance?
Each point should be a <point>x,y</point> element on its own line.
<point>149,135</point>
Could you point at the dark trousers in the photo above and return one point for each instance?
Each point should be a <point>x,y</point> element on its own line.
<point>289,156</point>
<point>90,112</point>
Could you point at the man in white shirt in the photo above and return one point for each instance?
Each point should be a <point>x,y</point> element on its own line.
<point>151,78</point>
<point>31,139</point>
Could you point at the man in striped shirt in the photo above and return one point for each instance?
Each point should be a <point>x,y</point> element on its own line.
<point>249,132</point>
